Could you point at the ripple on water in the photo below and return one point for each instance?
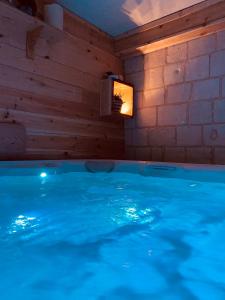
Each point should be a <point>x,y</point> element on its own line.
<point>91,236</point>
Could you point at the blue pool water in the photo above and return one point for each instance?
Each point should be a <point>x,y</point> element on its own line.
<point>112,236</point>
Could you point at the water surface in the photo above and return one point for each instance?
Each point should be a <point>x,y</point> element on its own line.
<point>119,236</point>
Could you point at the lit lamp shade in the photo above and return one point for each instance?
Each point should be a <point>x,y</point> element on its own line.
<point>126,93</point>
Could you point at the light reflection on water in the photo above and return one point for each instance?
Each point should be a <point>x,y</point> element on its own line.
<point>142,215</point>
<point>21,223</point>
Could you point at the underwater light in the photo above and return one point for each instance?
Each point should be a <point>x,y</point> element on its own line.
<point>43,175</point>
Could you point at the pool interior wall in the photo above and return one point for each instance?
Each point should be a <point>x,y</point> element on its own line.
<point>199,172</point>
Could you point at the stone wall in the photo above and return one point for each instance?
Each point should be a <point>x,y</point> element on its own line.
<point>179,103</point>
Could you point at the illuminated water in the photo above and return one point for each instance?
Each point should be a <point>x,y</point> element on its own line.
<point>81,236</point>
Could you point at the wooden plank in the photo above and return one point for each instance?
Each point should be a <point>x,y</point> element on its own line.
<point>53,125</point>
<point>178,39</point>
<point>106,97</point>
<point>55,96</point>
<point>88,110</point>
<point>54,122</point>
<point>55,44</point>
<point>199,15</point>
<point>32,37</point>
<point>78,144</point>
<point>80,28</point>
<point>16,58</point>
<point>37,154</point>
<point>12,139</point>
<point>38,85</point>
<point>171,17</point>
<point>14,99</point>
<point>40,154</point>
<point>73,54</point>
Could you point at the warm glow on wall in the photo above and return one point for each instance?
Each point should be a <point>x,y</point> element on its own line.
<point>124,92</point>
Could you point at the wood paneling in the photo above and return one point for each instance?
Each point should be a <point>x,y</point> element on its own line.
<point>55,95</point>
<point>197,16</point>
<point>178,39</point>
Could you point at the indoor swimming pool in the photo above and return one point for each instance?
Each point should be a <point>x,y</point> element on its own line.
<point>111,230</point>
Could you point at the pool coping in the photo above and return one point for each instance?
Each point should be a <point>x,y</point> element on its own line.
<point>196,172</point>
<point>57,163</point>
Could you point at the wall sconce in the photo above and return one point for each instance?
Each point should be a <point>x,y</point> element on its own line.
<point>117,98</point>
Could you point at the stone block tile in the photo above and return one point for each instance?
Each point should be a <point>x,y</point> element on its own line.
<point>175,154</point>
<point>200,112</point>
<point>206,89</point>
<point>172,115</point>
<point>202,46</point>
<point>143,153</point>
<point>157,154</point>
<point>176,53</point>
<point>137,80</point>
<point>153,97</point>
<point>223,87</point>
<point>146,117</point>
<point>217,63</point>
<point>214,135</point>
<point>164,136</point>
<point>134,64</point>
<point>219,155</point>
<point>155,59</point>
<point>219,111</point>
<point>153,78</point>
<point>221,40</point>
<point>189,136</point>
<point>140,137</point>
<point>174,73</point>
<point>138,100</point>
<point>178,93</point>
<point>197,68</point>
<point>130,123</point>
<point>199,155</point>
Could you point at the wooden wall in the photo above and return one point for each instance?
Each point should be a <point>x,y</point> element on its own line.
<point>56,95</point>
